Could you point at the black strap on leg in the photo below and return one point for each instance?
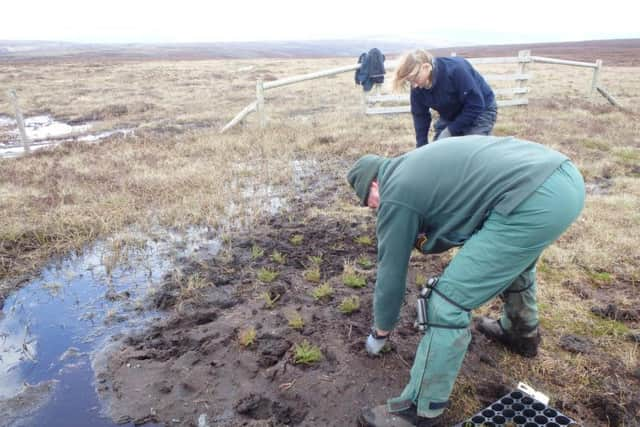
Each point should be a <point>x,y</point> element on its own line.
<point>517,291</point>
<point>431,285</point>
<point>425,294</point>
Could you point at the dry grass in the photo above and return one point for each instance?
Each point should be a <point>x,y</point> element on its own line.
<point>178,170</point>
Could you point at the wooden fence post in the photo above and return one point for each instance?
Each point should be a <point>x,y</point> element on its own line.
<point>364,102</point>
<point>20,120</point>
<point>524,56</point>
<point>609,97</point>
<point>596,76</point>
<point>260,103</point>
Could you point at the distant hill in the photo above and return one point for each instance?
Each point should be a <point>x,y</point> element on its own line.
<point>36,50</point>
<point>612,52</point>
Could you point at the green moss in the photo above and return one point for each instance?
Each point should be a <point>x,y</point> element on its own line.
<point>595,144</point>
<point>600,327</point>
<point>593,326</point>
<point>600,278</point>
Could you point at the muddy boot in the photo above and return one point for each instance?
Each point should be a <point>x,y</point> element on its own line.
<point>379,416</point>
<point>524,346</point>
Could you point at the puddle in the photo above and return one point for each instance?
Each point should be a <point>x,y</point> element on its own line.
<point>259,199</point>
<point>102,135</point>
<point>43,127</point>
<point>43,131</point>
<point>6,121</point>
<point>271,199</point>
<point>302,171</point>
<point>50,328</point>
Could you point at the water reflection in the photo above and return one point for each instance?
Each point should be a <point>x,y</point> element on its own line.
<point>49,328</point>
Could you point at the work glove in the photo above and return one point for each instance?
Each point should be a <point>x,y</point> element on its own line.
<point>446,133</point>
<point>375,343</point>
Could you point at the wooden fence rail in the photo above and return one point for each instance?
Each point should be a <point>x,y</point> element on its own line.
<point>375,104</point>
<point>518,93</point>
<point>597,67</point>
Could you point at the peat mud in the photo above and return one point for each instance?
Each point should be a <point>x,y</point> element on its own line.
<point>227,351</point>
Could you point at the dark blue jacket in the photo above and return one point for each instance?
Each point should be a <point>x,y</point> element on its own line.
<point>458,93</point>
<point>372,69</point>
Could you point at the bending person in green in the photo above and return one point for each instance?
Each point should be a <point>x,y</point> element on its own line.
<point>504,201</point>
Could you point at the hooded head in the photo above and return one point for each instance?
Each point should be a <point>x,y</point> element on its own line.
<point>362,174</point>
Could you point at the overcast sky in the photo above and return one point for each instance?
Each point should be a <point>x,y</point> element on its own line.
<point>467,21</point>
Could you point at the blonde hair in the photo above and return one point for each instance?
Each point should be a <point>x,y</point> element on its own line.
<point>409,65</point>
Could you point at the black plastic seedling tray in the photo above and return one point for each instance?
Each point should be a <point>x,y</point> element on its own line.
<point>517,409</point>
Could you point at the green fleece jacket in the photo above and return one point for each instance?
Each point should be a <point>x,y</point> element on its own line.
<point>446,190</point>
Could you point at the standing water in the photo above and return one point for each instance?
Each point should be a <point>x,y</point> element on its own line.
<point>46,132</point>
<point>50,327</point>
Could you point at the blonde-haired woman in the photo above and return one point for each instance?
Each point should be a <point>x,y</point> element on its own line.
<point>451,86</point>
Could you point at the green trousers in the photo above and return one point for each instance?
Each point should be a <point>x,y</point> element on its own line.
<point>499,259</point>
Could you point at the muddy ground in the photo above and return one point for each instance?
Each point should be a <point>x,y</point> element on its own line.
<point>190,369</point>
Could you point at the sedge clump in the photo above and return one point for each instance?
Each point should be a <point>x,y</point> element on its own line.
<point>256,252</point>
<point>312,275</point>
<point>296,239</point>
<point>322,292</point>
<point>296,321</point>
<point>351,278</point>
<point>306,353</point>
<point>247,337</point>
<point>349,305</point>
<point>267,275</point>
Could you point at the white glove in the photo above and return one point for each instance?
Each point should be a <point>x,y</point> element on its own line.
<point>374,345</point>
<point>446,133</point>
